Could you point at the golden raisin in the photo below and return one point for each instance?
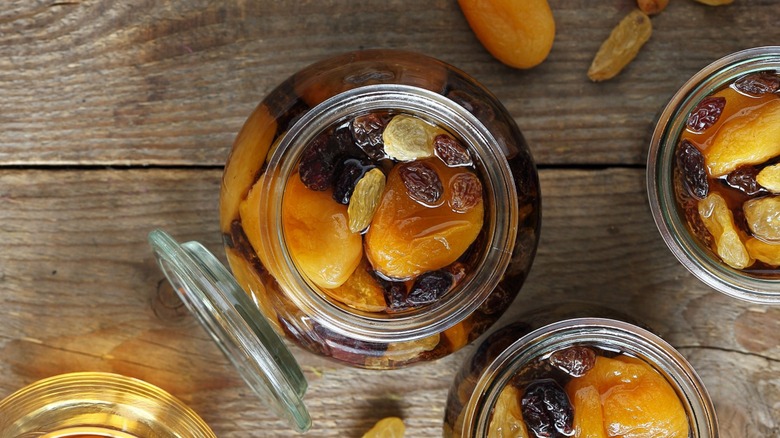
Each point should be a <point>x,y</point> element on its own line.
<point>621,47</point>
<point>719,220</point>
<point>408,138</point>
<point>518,33</point>
<point>365,199</point>
<point>507,418</point>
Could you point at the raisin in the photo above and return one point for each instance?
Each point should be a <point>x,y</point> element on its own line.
<point>367,132</point>
<point>466,192</point>
<point>706,113</point>
<point>691,162</point>
<point>349,173</point>
<point>547,410</point>
<point>451,151</point>
<point>395,293</point>
<point>429,287</point>
<point>422,182</point>
<point>758,84</point>
<point>745,179</point>
<point>575,361</point>
<point>317,164</point>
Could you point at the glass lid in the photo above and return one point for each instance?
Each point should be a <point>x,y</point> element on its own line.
<point>245,336</point>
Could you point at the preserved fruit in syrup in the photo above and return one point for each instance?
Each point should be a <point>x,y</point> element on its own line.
<point>727,175</point>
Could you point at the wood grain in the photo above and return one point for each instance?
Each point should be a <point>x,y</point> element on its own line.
<point>170,82</point>
<point>81,291</point>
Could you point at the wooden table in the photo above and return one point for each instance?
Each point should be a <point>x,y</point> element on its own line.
<point>117,117</point>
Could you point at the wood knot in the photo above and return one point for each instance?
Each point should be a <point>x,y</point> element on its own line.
<point>167,305</point>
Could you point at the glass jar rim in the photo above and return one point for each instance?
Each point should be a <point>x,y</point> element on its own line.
<point>602,333</point>
<point>103,391</point>
<point>660,188</point>
<point>499,185</point>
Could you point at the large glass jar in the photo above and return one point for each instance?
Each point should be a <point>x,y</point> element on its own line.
<point>711,144</point>
<point>323,103</point>
<point>97,405</point>
<point>635,385</point>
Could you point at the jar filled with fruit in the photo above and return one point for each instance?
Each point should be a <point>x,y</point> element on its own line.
<point>381,208</point>
<point>581,377</point>
<point>97,405</point>
<point>714,175</point>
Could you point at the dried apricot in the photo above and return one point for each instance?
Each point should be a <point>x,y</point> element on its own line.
<point>518,33</point>
<point>361,290</point>
<point>715,2</point>
<point>317,235</point>
<point>407,238</point>
<point>752,138</point>
<point>621,47</point>
<point>768,253</point>
<point>636,401</point>
<point>588,414</point>
<point>390,427</point>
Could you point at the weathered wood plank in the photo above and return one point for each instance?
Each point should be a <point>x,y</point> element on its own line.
<point>79,290</point>
<point>168,82</point>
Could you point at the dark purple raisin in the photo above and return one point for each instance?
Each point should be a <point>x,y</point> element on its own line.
<point>395,293</point>
<point>451,151</point>
<point>691,163</point>
<point>342,142</point>
<point>547,410</point>
<point>317,164</point>
<point>706,113</point>
<point>348,174</point>
<point>429,287</point>
<point>574,361</point>
<point>744,179</point>
<point>758,84</point>
<point>422,182</point>
<point>367,131</point>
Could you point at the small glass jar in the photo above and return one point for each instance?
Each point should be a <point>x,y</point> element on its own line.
<point>93,405</point>
<point>505,357</point>
<point>754,286</point>
<point>265,157</point>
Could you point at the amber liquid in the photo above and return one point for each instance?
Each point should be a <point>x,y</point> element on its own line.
<point>737,104</point>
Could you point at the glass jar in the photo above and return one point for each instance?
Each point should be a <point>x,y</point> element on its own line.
<point>265,158</point>
<point>759,285</point>
<point>508,356</point>
<point>94,404</point>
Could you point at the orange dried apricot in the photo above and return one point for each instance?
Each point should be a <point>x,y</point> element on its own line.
<point>588,414</point>
<point>361,290</point>
<point>317,234</point>
<point>636,401</point>
<point>390,427</point>
<point>407,237</point>
<point>518,33</point>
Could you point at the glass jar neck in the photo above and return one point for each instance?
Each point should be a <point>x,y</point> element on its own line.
<point>606,334</point>
<point>501,213</point>
<point>660,165</point>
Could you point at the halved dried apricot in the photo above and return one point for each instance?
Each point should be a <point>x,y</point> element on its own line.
<point>407,237</point>
<point>317,235</point>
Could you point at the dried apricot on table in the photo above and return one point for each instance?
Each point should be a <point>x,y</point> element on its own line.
<point>652,7</point>
<point>621,47</point>
<point>518,33</point>
<point>317,235</point>
<point>414,229</point>
<point>390,427</point>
